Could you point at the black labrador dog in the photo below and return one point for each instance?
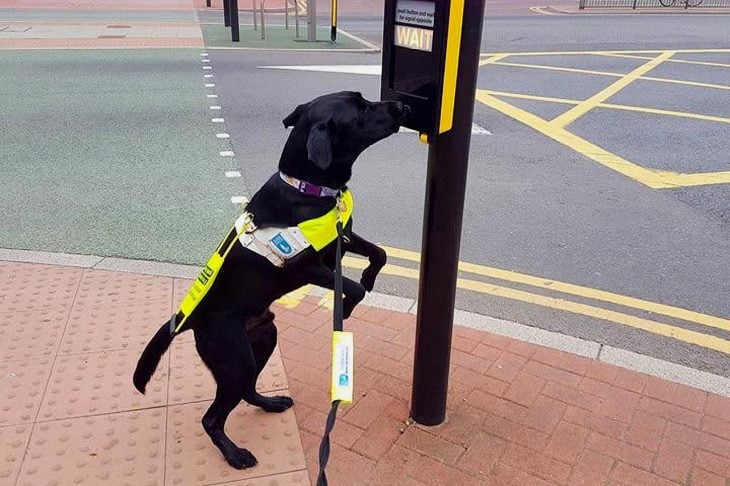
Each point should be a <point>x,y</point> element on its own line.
<point>234,329</point>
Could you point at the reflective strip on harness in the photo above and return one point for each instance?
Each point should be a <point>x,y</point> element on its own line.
<point>322,231</point>
<point>205,279</point>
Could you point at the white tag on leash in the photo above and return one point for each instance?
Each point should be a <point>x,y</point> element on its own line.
<point>343,349</point>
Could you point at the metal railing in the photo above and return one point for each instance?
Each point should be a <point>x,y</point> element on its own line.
<point>635,4</point>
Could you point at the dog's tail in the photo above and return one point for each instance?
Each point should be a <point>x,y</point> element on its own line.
<point>151,356</point>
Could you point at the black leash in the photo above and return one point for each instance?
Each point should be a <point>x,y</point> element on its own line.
<point>324,446</point>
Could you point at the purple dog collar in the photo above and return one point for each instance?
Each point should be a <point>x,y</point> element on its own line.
<point>308,188</point>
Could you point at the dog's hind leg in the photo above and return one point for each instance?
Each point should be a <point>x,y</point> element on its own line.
<point>214,422</point>
<point>262,337</point>
<point>227,353</point>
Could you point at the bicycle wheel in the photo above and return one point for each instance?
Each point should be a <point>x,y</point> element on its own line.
<point>667,3</point>
<point>693,3</point>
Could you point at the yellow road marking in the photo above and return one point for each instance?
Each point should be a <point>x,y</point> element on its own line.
<point>585,106</point>
<point>578,144</point>
<point>704,340</point>
<point>679,61</point>
<point>567,288</point>
<point>558,68</point>
<point>699,179</point>
<point>614,75</point>
<point>656,179</point>
<point>530,97</point>
<point>491,60</point>
<point>656,111</point>
<point>686,83</point>
<point>641,109</point>
<point>581,53</point>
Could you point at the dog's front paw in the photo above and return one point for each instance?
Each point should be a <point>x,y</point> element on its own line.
<point>241,458</point>
<point>277,404</point>
<point>368,278</point>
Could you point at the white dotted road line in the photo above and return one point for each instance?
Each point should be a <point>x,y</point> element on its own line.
<point>230,174</point>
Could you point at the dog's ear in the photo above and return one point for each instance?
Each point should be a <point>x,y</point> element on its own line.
<point>319,145</point>
<point>294,116</point>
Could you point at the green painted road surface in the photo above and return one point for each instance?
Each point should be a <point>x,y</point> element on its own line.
<point>113,153</point>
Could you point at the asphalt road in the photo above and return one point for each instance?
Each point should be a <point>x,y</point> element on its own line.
<point>540,215</point>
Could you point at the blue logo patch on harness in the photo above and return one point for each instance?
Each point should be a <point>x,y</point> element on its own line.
<point>281,244</point>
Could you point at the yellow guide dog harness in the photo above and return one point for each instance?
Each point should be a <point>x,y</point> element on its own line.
<point>278,245</point>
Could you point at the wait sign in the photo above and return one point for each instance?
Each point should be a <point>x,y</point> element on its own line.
<point>413,38</point>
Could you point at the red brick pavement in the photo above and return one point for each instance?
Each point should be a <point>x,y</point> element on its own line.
<point>518,414</point>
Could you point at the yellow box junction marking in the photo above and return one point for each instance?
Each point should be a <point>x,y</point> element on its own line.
<point>555,129</point>
<point>607,73</point>
<point>585,106</point>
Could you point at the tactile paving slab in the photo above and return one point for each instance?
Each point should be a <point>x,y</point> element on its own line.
<point>118,449</point>
<point>180,288</point>
<point>92,384</point>
<point>300,478</point>
<point>13,440</point>
<point>190,380</point>
<point>34,334</point>
<point>116,311</point>
<point>192,459</point>
<point>21,389</point>
<point>28,286</point>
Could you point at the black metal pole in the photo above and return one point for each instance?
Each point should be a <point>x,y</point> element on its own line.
<point>448,157</point>
<point>233,13</point>
<point>226,13</point>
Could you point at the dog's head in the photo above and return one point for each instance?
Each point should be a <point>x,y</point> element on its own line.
<point>331,131</point>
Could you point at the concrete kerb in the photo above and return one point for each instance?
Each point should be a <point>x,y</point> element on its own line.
<point>561,342</point>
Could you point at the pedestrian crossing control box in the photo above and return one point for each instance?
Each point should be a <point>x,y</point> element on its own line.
<point>421,44</point>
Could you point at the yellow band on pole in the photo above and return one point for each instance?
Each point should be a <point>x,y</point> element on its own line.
<point>451,67</point>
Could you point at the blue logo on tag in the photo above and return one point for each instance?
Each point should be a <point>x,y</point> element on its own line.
<point>344,380</point>
<point>281,244</point>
